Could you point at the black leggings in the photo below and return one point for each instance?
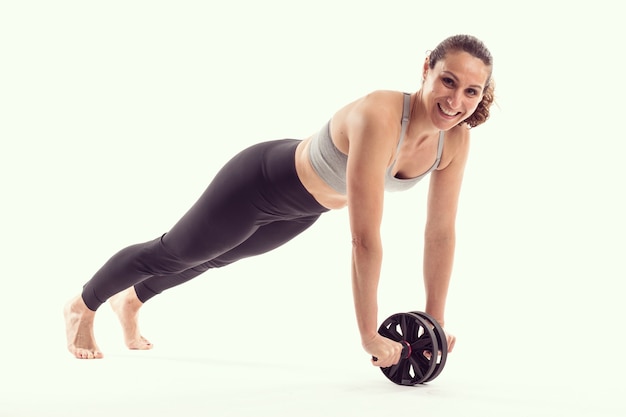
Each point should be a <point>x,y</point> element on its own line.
<point>254,204</point>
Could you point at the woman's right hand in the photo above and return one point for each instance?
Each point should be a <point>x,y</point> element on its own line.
<point>385,352</point>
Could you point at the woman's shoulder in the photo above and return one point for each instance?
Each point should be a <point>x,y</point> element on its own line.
<point>378,107</point>
<point>457,144</point>
<point>373,116</point>
<point>459,133</point>
<point>383,98</point>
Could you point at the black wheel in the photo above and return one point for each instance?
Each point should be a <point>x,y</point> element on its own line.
<point>440,334</point>
<point>417,333</point>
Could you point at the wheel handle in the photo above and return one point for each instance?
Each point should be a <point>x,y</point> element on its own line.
<point>406,351</point>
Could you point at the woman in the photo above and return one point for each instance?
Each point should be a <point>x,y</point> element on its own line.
<point>271,192</point>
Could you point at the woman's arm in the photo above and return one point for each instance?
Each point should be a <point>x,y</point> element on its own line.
<point>372,140</point>
<point>440,234</point>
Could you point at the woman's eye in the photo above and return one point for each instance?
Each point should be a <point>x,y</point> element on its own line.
<point>448,81</point>
<point>472,92</point>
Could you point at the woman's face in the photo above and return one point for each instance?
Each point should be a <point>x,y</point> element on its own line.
<point>454,88</point>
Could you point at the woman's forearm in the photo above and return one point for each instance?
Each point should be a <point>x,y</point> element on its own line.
<point>366,267</point>
<point>438,261</point>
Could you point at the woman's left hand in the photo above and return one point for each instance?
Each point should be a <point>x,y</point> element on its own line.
<point>451,339</point>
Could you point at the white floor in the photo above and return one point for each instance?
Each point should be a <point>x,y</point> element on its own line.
<point>158,384</point>
<point>248,377</point>
<point>255,340</point>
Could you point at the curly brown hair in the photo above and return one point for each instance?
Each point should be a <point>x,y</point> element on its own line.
<point>476,48</point>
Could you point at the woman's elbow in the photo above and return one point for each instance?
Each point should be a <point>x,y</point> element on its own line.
<point>365,244</point>
<point>440,235</point>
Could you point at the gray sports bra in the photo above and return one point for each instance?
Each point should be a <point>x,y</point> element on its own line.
<point>331,164</point>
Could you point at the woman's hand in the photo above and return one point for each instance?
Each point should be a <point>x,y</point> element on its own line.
<point>386,351</point>
<point>451,339</point>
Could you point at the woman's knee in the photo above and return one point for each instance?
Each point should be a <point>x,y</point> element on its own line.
<point>155,258</point>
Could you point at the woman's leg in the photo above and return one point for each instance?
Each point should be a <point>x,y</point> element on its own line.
<point>127,303</point>
<point>223,217</point>
<point>223,204</point>
<point>257,187</point>
<point>137,263</point>
<point>265,239</point>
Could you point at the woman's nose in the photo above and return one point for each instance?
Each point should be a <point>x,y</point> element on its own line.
<point>454,100</point>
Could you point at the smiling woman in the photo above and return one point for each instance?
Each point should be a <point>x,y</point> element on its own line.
<point>449,74</point>
<point>271,192</point>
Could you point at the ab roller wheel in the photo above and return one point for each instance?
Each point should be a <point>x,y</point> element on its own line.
<point>424,351</point>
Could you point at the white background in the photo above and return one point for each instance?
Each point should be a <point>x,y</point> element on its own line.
<point>115,115</point>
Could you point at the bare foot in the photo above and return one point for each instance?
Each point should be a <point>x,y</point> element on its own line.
<point>79,330</point>
<point>126,305</point>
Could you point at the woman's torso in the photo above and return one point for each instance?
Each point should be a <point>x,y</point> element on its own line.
<point>413,158</point>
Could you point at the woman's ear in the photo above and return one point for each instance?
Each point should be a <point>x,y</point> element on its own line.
<point>426,68</point>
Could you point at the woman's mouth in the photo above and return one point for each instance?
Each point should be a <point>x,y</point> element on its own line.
<point>448,112</point>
